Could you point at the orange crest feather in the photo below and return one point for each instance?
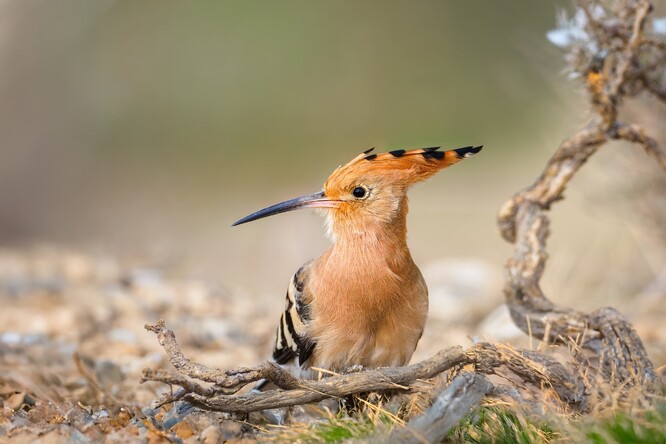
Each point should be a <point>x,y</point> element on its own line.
<point>406,167</point>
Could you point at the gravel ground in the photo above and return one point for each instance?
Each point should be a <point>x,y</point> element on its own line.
<point>72,342</point>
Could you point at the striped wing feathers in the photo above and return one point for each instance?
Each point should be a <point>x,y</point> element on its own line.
<point>291,341</point>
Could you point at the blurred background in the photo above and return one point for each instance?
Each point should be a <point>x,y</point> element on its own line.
<point>141,130</point>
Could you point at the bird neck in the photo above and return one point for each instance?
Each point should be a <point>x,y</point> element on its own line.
<point>374,236</point>
<point>370,261</point>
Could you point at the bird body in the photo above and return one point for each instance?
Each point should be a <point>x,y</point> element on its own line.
<point>364,301</point>
<point>381,324</point>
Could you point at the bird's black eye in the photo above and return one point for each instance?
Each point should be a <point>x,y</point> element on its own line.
<point>359,192</point>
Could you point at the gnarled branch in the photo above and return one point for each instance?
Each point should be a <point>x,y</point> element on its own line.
<point>484,357</point>
<point>523,220</point>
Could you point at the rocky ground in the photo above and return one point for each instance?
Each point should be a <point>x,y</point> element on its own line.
<point>72,342</point>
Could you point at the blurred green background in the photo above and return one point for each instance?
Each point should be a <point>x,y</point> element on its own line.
<point>145,128</point>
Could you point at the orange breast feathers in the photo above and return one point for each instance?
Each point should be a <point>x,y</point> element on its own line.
<point>369,307</point>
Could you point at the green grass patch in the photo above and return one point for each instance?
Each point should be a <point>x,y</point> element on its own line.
<point>335,429</point>
<point>498,425</point>
<point>644,428</point>
<point>492,425</point>
<point>340,430</point>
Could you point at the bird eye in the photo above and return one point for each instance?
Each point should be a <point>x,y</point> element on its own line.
<point>359,192</point>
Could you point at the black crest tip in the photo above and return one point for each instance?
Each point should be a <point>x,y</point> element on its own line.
<point>468,151</point>
<point>369,150</point>
<point>370,157</point>
<point>397,153</point>
<point>431,149</point>
<point>439,155</point>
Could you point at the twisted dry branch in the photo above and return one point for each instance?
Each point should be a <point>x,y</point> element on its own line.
<point>485,358</point>
<point>523,220</point>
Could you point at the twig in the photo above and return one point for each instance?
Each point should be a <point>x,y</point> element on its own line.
<point>486,358</point>
<point>227,381</point>
<point>635,133</point>
<point>168,378</point>
<point>630,51</point>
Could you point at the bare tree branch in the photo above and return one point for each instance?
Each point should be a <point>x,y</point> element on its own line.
<point>486,358</point>
<point>524,221</point>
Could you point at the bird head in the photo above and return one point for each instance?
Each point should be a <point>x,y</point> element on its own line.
<point>371,189</point>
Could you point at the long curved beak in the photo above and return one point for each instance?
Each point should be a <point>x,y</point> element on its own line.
<point>316,200</point>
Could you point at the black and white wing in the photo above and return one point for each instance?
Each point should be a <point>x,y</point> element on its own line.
<point>291,341</point>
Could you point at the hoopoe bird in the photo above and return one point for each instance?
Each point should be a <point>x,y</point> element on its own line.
<point>364,301</point>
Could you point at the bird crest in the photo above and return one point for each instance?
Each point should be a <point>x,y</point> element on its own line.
<point>401,166</point>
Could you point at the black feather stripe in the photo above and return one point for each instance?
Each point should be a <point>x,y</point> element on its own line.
<point>283,355</point>
<point>439,155</point>
<point>306,351</point>
<point>292,331</point>
<point>467,151</point>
